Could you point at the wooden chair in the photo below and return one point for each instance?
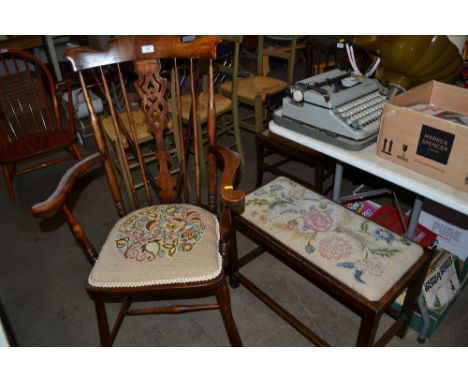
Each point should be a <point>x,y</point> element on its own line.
<point>30,122</point>
<point>226,69</point>
<point>168,249</point>
<point>359,263</point>
<point>252,91</point>
<point>145,141</point>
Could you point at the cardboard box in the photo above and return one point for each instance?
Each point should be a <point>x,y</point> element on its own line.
<point>436,315</point>
<point>432,143</point>
<point>449,237</point>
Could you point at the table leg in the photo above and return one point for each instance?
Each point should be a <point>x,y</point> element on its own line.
<point>416,211</point>
<point>337,181</point>
<point>417,208</point>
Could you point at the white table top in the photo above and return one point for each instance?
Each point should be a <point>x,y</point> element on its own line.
<point>367,160</point>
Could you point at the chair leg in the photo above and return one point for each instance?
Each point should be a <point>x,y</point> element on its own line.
<point>258,114</point>
<point>368,328</point>
<point>103,324</point>
<point>224,301</point>
<point>237,134</point>
<point>260,159</point>
<point>76,151</point>
<point>7,175</point>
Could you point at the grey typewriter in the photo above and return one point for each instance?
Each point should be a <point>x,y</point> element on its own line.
<point>336,107</point>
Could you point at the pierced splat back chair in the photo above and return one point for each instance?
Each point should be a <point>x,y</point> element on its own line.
<point>30,118</point>
<point>171,248</point>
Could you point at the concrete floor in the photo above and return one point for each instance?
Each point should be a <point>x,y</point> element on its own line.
<point>43,272</point>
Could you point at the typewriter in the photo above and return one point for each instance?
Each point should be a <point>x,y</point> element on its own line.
<point>336,107</point>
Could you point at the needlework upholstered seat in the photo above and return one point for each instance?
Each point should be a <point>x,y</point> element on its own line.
<point>159,245</point>
<point>361,254</point>
<point>362,265</point>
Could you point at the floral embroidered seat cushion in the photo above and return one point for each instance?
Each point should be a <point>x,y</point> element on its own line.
<point>359,253</point>
<point>165,244</point>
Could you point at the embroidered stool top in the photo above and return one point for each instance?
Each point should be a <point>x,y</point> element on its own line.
<point>166,244</point>
<point>359,253</point>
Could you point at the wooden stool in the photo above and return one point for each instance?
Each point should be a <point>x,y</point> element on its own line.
<point>359,263</point>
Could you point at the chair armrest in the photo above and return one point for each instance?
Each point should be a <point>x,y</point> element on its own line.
<point>230,167</point>
<point>55,201</point>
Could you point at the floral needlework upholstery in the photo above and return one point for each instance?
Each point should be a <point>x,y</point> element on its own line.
<point>163,244</point>
<point>359,253</point>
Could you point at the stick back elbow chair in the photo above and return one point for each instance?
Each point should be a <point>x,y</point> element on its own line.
<point>30,118</point>
<point>175,246</point>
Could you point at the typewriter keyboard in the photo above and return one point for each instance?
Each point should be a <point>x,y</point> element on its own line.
<point>362,113</point>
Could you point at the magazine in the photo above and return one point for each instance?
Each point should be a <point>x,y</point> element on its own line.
<point>436,111</point>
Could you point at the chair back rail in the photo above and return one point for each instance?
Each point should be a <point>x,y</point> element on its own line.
<point>288,55</point>
<point>149,54</point>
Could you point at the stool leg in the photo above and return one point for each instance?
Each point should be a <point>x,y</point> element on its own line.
<point>411,298</point>
<point>233,266</point>
<point>368,328</point>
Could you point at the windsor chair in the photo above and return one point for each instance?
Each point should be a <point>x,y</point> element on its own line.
<point>175,246</point>
<point>31,124</point>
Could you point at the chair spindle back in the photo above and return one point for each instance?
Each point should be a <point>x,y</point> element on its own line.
<point>28,102</point>
<point>161,108</point>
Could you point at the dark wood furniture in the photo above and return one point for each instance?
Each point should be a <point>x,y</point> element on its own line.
<point>173,248</point>
<point>268,143</point>
<point>360,264</point>
<point>30,121</point>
